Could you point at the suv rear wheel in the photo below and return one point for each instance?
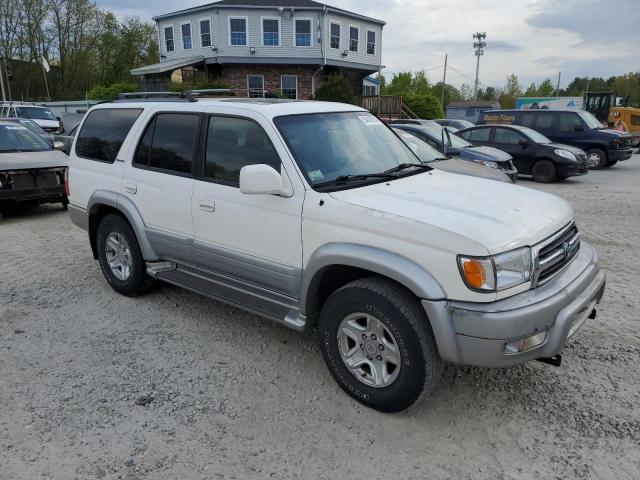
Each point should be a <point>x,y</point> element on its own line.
<point>377,343</point>
<point>120,258</point>
<point>596,159</point>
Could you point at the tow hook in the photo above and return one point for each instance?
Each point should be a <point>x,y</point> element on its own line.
<point>556,360</point>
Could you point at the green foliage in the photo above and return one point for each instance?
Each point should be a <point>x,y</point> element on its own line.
<point>336,88</point>
<point>184,86</point>
<point>511,91</point>
<point>407,83</point>
<point>110,92</point>
<point>425,106</point>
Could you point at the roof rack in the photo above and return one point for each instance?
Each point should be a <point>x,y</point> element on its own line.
<point>155,97</point>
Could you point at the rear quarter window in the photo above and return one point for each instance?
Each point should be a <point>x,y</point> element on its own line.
<point>103,133</point>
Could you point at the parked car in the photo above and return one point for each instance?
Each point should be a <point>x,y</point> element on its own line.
<point>449,122</point>
<point>578,128</point>
<point>414,121</point>
<point>32,171</point>
<point>314,214</point>
<point>429,155</point>
<point>533,153</point>
<point>458,147</point>
<point>34,127</point>
<point>67,139</point>
<point>39,114</point>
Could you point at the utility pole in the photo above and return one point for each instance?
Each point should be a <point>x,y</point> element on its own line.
<point>444,79</point>
<point>4,95</point>
<point>479,44</point>
<point>558,87</point>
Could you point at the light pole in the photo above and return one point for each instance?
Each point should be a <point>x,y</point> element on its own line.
<point>479,44</point>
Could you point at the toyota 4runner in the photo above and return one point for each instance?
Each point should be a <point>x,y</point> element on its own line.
<point>316,215</point>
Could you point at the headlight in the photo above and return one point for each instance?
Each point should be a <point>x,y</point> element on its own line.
<point>565,154</point>
<point>487,163</point>
<point>497,272</point>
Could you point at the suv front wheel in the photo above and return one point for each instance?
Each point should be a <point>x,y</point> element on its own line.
<point>596,159</point>
<point>377,344</point>
<point>120,257</point>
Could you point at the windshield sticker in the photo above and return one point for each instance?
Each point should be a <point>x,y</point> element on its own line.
<point>369,120</point>
<point>18,127</point>
<point>316,175</point>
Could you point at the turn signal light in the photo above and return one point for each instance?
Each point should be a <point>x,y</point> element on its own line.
<point>474,273</point>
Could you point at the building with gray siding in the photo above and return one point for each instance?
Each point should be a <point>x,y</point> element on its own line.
<point>283,47</point>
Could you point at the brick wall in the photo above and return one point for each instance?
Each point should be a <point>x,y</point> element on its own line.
<point>236,76</point>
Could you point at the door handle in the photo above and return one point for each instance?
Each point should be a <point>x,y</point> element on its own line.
<point>207,206</point>
<point>131,188</point>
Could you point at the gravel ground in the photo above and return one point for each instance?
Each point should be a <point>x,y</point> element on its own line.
<point>232,396</point>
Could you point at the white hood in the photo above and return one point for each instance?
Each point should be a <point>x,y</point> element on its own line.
<point>499,216</point>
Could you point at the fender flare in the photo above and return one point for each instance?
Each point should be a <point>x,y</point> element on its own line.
<point>125,206</point>
<point>383,262</point>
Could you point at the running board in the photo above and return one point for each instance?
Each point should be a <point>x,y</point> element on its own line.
<point>265,303</point>
<point>154,268</point>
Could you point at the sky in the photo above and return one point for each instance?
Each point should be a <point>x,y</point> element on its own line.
<point>535,39</point>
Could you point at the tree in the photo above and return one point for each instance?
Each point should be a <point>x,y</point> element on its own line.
<point>336,88</point>
<point>546,89</point>
<point>466,92</point>
<point>532,91</point>
<point>511,91</point>
<point>425,106</point>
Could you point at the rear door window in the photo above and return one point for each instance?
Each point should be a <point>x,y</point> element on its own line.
<point>528,119</point>
<point>104,132</point>
<point>169,143</point>
<point>478,135</point>
<point>544,122</point>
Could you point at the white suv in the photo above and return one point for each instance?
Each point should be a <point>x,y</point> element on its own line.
<point>316,214</point>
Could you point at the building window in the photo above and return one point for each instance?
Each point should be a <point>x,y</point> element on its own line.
<point>205,33</point>
<point>354,34</point>
<point>371,42</point>
<point>238,31</point>
<point>186,36</point>
<point>369,91</point>
<point>335,35</point>
<point>255,86</point>
<point>303,33</point>
<point>168,39</point>
<point>270,32</point>
<point>289,86</point>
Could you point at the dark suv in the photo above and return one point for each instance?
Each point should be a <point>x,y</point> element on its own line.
<point>580,129</point>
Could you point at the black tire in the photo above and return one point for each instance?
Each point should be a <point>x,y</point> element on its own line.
<point>138,281</point>
<point>65,202</point>
<point>543,171</point>
<point>596,159</point>
<point>611,163</point>
<point>401,314</point>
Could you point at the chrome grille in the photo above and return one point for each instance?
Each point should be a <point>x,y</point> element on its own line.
<point>555,253</point>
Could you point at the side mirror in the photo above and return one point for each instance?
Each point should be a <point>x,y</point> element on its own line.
<point>260,179</point>
<point>524,143</point>
<point>578,128</point>
<point>58,146</point>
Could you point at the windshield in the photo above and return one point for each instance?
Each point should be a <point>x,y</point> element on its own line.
<point>36,113</point>
<point>332,145</point>
<point>16,138</point>
<point>425,152</point>
<point>590,120</point>
<point>33,126</point>
<point>465,123</point>
<point>535,136</point>
<point>455,142</point>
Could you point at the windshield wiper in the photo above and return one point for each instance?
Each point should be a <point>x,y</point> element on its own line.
<point>404,166</point>
<point>349,178</point>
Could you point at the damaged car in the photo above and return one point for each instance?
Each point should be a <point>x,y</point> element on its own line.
<point>32,171</point>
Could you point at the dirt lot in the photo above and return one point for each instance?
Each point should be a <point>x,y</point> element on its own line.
<point>234,396</point>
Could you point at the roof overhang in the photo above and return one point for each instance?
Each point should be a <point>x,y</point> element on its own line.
<point>166,66</point>
<point>211,6</point>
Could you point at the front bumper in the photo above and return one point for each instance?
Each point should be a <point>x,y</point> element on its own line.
<point>620,155</point>
<point>41,194</point>
<point>477,333</point>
